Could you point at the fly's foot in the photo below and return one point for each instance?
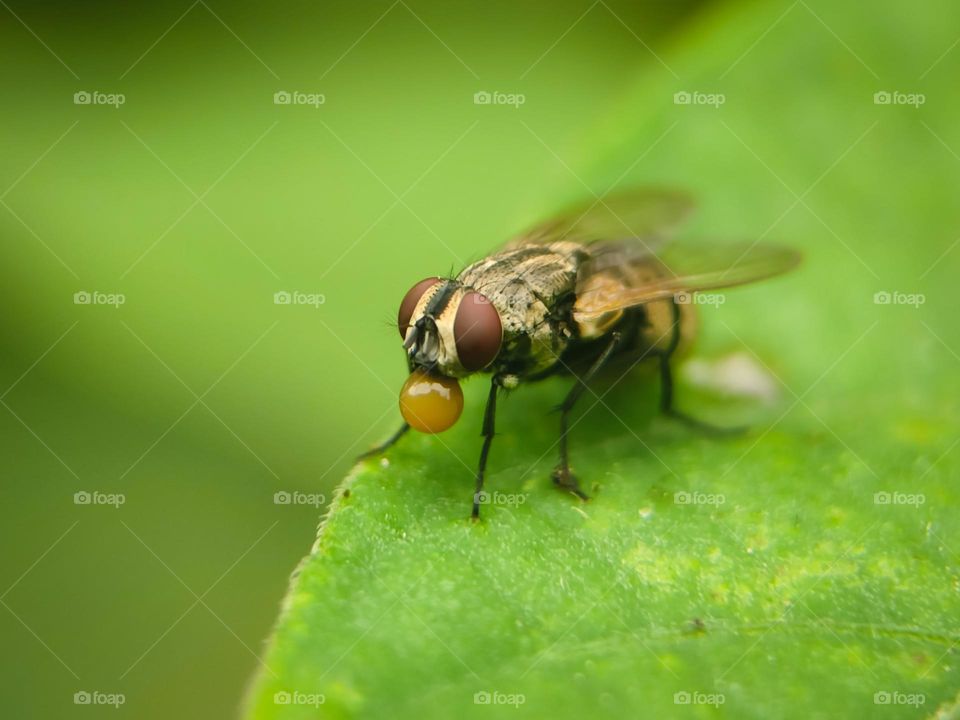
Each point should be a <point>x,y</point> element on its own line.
<point>705,427</point>
<point>479,498</point>
<point>384,446</point>
<point>566,480</point>
<point>372,452</point>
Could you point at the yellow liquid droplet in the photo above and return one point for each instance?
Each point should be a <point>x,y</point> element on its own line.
<point>430,403</point>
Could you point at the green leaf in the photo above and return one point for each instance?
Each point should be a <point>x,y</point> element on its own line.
<point>813,570</point>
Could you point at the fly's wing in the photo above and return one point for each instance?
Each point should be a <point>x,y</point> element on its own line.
<point>683,268</point>
<point>628,262</point>
<point>646,217</point>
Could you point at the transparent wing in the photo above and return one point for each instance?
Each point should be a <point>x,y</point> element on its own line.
<point>681,268</point>
<point>647,216</point>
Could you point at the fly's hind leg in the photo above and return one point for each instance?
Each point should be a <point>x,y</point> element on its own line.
<point>562,477</point>
<point>666,386</point>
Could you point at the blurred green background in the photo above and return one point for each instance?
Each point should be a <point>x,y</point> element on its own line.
<point>199,198</point>
<point>295,198</point>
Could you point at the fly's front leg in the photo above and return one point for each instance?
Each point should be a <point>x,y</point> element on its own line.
<point>384,446</point>
<point>562,476</point>
<point>489,428</point>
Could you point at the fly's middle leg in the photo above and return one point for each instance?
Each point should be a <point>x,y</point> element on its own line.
<point>562,477</point>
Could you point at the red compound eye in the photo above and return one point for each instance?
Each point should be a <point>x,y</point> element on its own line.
<point>477,331</point>
<point>410,301</point>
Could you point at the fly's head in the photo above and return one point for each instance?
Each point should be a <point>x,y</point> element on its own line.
<point>449,331</point>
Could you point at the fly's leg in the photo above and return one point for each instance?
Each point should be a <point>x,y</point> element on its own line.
<point>666,387</point>
<point>666,405</point>
<point>387,444</point>
<point>562,477</point>
<point>489,428</point>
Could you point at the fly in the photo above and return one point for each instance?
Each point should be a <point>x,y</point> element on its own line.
<point>596,284</point>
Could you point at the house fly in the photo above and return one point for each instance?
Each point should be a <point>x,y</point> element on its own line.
<point>597,283</point>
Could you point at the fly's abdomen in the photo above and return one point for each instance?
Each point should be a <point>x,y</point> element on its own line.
<point>655,326</point>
